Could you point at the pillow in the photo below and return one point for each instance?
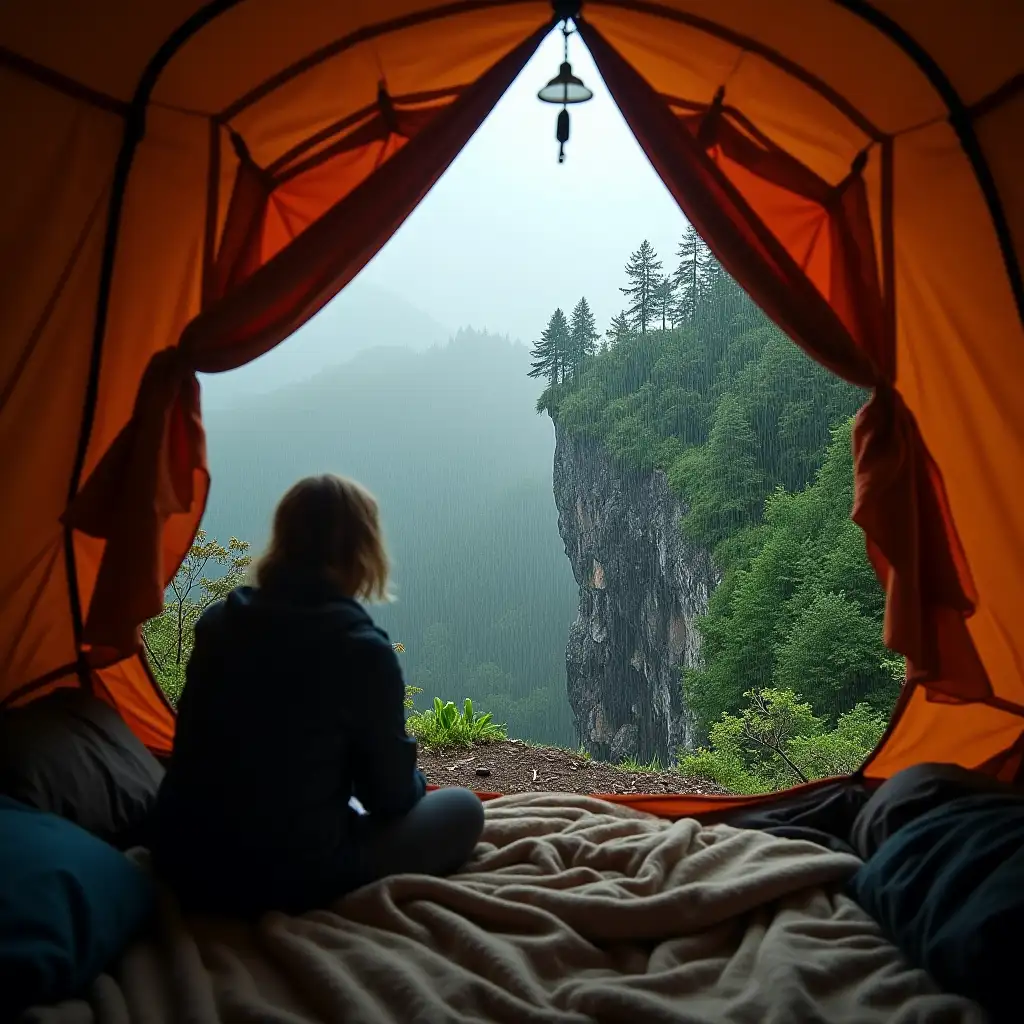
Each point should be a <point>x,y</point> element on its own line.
<point>69,904</point>
<point>948,889</point>
<point>71,754</point>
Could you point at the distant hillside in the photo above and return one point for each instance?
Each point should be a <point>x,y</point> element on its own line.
<point>361,317</point>
<point>449,441</point>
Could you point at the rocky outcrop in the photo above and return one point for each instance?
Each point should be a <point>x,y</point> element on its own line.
<point>641,587</point>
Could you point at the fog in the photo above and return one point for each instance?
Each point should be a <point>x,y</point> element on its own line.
<point>505,236</point>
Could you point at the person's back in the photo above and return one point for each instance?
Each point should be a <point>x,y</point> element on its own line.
<point>293,703</point>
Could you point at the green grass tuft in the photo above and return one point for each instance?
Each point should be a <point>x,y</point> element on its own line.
<point>631,764</point>
<point>444,725</point>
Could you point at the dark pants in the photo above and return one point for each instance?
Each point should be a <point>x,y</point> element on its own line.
<point>435,838</point>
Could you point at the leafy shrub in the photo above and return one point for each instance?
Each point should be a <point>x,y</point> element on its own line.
<point>777,741</point>
<point>171,678</point>
<point>444,725</point>
<point>168,637</point>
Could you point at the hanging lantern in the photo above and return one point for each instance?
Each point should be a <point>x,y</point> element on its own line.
<point>564,88</point>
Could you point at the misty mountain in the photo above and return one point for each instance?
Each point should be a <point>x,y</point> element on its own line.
<point>361,317</point>
<point>450,442</point>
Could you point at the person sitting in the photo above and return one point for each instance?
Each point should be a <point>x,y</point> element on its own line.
<point>292,705</point>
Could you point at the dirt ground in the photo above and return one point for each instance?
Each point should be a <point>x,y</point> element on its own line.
<point>512,766</point>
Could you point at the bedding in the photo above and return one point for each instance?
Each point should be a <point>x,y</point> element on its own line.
<point>916,791</point>
<point>69,904</point>
<point>71,754</point>
<point>573,910</point>
<point>948,888</point>
<point>822,815</point>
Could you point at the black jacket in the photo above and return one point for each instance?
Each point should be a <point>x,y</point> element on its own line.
<point>293,703</point>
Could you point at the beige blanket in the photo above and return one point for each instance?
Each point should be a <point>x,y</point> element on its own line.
<point>573,911</point>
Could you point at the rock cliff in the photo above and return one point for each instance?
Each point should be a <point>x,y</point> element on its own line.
<point>641,585</point>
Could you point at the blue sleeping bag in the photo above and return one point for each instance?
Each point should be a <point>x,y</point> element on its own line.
<point>948,889</point>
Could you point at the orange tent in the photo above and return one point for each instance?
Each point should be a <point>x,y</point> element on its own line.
<point>187,182</point>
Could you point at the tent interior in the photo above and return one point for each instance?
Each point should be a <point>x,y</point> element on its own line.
<point>189,183</point>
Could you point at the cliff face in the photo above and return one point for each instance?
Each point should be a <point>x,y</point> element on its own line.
<point>641,587</point>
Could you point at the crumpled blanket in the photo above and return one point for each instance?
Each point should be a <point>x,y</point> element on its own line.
<point>573,910</point>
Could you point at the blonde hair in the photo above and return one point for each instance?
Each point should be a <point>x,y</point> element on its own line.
<point>329,525</point>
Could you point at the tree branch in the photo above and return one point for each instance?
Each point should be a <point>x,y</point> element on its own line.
<point>151,653</point>
<point>776,748</point>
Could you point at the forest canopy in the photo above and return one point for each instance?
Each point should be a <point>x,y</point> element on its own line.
<point>693,380</point>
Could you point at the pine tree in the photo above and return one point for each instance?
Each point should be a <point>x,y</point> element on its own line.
<point>694,257</point>
<point>619,329</point>
<point>712,274</point>
<point>551,353</point>
<point>644,272</point>
<point>664,306</point>
<point>582,336</point>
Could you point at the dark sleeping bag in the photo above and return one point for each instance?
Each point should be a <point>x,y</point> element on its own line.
<point>948,889</point>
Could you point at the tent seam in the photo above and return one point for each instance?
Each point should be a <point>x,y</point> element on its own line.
<point>362,114</point>
<point>962,121</point>
<point>708,27</point>
<point>134,130</point>
<point>62,83</point>
<point>346,42</point>
<point>39,682</point>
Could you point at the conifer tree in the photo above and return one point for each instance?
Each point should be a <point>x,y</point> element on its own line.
<point>694,257</point>
<point>619,329</point>
<point>711,276</point>
<point>664,306</point>
<point>551,353</point>
<point>582,335</point>
<point>644,272</point>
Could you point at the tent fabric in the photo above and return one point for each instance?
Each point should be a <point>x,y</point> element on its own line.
<point>193,181</point>
<point>156,467</point>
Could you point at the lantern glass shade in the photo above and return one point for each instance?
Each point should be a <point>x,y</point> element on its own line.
<point>565,88</point>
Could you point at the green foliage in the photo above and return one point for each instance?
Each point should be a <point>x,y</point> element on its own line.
<point>724,403</point>
<point>633,764</point>
<point>582,337</point>
<point>209,572</point>
<point>444,725</point>
<point>551,354</point>
<point>799,607</point>
<point>834,651</point>
<point>755,437</point>
<point>663,296</point>
<point>619,329</point>
<point>776,741</point>
<point>723,478</point>
<point>844,749</point>
<point>644,274</point>
<point>689,275</point>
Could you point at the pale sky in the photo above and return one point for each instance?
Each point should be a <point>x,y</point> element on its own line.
<point>508,234</point>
